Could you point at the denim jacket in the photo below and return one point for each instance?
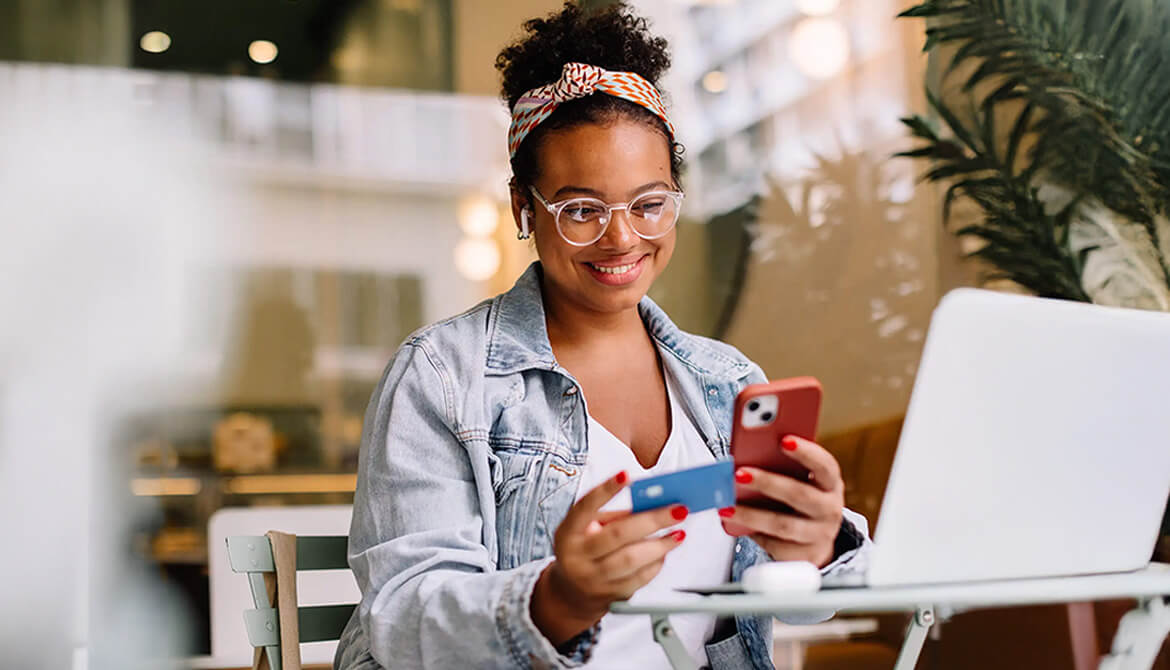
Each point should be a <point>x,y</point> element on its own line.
<point>473,444</point>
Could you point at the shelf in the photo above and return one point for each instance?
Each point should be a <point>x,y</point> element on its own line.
<point>245,484</point>
<point>306,483</point>
<point>153,487</point>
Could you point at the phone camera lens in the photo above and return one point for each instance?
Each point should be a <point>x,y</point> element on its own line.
<point>766,416</point>
<point>754,405</point>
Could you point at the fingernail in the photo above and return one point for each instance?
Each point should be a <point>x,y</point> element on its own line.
<point>789,443</point>
<point>679,535</point>
<point>727,512</point>
<point>743,476</point>
<point>622,477</point>
<point>679,512</point>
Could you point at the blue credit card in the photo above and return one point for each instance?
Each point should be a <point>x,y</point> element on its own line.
<point>700,488</point>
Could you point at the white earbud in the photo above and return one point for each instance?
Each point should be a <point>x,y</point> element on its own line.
<point>525,232</point>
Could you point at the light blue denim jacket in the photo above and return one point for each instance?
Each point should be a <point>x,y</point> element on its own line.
<point>473,445</point>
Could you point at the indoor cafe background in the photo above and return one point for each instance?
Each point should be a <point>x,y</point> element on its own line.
<point>280,191</point>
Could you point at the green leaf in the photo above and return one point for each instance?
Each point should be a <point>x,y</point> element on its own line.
<point>986,186</point>
<point>920,127</point>
<point>1094,81</point>
<point>924,152</point>
<point>951,120</point>
<point>1017,137</point>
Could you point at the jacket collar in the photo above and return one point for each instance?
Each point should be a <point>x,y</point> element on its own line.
<point>518,334</point>
<point>517,331</point>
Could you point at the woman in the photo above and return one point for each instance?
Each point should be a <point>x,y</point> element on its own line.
<point>487,528</point>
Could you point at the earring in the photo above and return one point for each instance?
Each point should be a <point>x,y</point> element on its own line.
<point>524,232</point>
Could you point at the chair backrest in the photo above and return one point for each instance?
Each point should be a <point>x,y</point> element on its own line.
<point>254,556</point>
<point>230,592</point>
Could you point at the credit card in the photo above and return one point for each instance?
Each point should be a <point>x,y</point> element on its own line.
<point>704,487</point>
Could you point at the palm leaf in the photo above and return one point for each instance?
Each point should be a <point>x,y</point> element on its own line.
<point>1091,81</point>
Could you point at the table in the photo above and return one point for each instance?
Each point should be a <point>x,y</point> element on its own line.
<point>1135,646</point>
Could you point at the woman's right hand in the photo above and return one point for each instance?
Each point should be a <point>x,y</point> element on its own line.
<point>601,558</point>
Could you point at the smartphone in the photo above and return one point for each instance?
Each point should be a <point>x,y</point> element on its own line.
<point>764,415</point>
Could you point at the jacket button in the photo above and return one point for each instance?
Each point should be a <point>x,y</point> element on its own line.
<point>737,547</point>
<point>712,391</point>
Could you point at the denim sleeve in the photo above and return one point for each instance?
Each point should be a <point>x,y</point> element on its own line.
<point>850,554</point>
<point>431,594</point>
<point>852,548</point>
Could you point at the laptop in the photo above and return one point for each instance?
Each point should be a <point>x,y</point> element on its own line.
<point>1036,444</point>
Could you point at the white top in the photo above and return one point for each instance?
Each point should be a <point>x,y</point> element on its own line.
<point>704,557</point>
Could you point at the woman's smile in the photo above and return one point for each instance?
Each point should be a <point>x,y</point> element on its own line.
<point>617,272</point>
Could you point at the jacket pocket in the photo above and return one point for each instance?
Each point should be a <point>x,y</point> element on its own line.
<point>514,475</point>
<point>510,469</point>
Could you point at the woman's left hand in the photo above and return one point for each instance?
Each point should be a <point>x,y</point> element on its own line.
<point>811,533</point>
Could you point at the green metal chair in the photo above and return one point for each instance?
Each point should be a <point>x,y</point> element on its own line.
<point>271,562</point>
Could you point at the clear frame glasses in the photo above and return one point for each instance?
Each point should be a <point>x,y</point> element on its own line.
<point>582,221</point>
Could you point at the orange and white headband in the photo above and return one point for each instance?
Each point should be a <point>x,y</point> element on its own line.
<point>579,80</point>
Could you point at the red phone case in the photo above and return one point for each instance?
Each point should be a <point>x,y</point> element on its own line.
<point>797,414</point>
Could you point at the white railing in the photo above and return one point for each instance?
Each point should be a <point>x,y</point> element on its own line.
<point>411,139</point>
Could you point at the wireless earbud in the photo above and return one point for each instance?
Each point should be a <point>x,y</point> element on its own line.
<point>525,232</point>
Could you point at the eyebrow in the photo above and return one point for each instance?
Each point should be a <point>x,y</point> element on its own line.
<point>582,190</point>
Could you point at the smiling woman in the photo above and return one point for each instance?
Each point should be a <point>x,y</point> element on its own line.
<point>587,246</point>
<point>491,524</point>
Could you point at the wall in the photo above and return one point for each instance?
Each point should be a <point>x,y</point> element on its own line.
<point>95,32</point>
<point>300,225</point>
<point>481,29</point>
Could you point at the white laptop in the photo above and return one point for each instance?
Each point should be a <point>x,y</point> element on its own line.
<point>1036,444</point>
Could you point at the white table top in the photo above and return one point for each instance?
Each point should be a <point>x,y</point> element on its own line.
<point>1151,581</point>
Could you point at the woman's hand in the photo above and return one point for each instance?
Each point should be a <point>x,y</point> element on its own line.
<point>601,557</point>
<point>811,533</point>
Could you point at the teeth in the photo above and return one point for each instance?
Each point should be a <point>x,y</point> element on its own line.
<point>618,270</point>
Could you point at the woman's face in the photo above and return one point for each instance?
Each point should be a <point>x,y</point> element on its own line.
<point>616,163</point>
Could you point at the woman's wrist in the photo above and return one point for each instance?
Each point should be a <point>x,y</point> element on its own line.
<point>554,612</point>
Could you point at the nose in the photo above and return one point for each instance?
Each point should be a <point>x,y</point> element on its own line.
<point>619,234</point>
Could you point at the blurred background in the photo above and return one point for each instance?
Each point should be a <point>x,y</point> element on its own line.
<point>336,173</point>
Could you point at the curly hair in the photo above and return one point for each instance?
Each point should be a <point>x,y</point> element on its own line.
<point>613,38</point>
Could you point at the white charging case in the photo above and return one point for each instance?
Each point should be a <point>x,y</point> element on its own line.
<point>782,577</point>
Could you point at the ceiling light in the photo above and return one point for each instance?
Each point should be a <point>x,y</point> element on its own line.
<point>262,51</point>
<point>478,217</point>
<point>819,47</point>
<point>155,42</point>
<point>477,258</point>
<point>818,7</point>
<point>715,81</point>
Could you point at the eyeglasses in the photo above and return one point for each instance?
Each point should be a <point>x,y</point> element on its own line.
<point>582,221</point>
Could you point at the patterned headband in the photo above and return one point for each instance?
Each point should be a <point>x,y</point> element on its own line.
<point>577,81</point>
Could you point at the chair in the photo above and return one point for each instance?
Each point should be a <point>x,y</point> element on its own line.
<point>277,626</point>
<point>230,591</point>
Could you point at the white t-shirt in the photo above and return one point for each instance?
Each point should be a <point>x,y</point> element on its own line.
<point>626,641</point>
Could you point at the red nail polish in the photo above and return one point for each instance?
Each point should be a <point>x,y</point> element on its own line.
<point>621,477</point>
<point>679,535</point>
<point>789,443</point>
<point>727,512</point>
<point>679,512</point>
<point>743,477</point>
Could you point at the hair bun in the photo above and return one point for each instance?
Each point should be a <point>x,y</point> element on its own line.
<point>613,38</point>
